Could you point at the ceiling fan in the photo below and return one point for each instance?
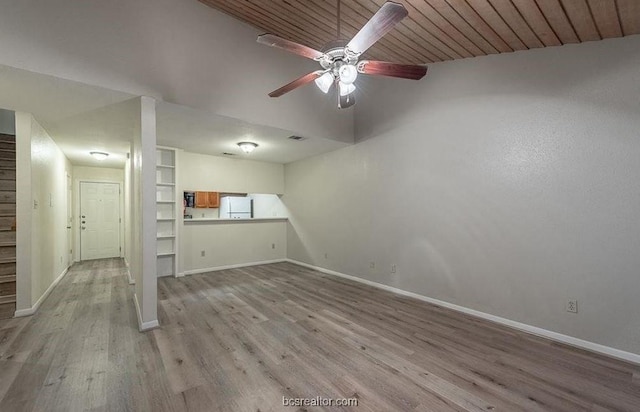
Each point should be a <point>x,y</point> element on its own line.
<point>339,61</point>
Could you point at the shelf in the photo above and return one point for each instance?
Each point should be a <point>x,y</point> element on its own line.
<point>166,216</point>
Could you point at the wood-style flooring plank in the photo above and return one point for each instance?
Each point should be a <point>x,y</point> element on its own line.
<point>242,339</point>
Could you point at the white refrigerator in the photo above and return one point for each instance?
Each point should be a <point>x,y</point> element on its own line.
<point>233,207</point>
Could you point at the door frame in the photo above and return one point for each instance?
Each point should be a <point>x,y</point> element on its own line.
<point>76,249</point>
<point>70,234</point>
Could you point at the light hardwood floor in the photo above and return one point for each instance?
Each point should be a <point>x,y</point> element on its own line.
<point>241,339</point>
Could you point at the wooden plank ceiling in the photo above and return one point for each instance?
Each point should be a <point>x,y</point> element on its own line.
<point>438,30</point>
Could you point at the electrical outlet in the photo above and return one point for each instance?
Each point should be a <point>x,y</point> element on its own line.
<point>393,268</point>
<point>326,256</point>
<point>372,265</point>
<point>202,253</point>
<point>203,215</point>
<point>273,246</point>
<point>572,306</point>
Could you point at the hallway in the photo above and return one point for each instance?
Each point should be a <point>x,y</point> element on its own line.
<point>76,352</point>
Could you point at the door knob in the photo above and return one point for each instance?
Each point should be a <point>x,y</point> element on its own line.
<point>83,222</point>
<point>83,227</point>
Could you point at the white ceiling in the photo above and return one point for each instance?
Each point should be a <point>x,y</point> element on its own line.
<point>82,118</point>
<point>201,132</point>
<point>79,117</point>
<point>180,51</point>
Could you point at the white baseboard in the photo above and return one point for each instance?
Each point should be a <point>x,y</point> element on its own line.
<point>239,265</point>
<point>555,336</point>
<point>143,326</point>
<point>132,281</point>
<point>33,309</point>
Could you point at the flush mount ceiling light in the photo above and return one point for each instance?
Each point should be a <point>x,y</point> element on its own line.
<point>340,59</point>
<point>247,147</point>
<point>99,155</point>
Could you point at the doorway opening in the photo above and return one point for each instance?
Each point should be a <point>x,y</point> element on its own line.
<point>99,220</point>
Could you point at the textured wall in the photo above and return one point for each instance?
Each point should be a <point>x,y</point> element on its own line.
<point>506,184</point>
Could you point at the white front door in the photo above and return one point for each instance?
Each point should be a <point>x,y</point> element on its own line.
<point>99,220</point>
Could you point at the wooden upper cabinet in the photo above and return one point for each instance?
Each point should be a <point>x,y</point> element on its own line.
<point>207,200</point>
<point>213,199</point>
<point>202,200</point>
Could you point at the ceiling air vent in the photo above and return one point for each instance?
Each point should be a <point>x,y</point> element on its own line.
<point>294,137</point>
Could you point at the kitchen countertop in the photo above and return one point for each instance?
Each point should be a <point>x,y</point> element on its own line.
<point>223,221</point>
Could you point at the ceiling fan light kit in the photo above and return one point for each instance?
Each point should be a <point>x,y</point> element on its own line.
<point>347,73</point>
<point>339,61</point>
<point>346,88</point>
<point>325,81</point>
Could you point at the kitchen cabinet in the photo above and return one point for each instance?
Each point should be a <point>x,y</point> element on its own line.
<point>206,200</point>
<point>213,199</point>
<point>202,200</point>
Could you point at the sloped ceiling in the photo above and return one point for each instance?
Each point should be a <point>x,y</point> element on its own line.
<point>439,30</point>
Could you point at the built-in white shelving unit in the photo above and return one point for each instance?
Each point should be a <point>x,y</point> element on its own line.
<point>167,212</point>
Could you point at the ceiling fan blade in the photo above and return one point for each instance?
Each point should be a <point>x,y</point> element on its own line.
<point>292,47</point>
<point>345,101</point>
<point>380,24</point>
<point>404,71</point>
<point>301,81</point>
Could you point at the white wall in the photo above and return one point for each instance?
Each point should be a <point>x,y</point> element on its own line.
<point>267,205</point>
<point>46,208</point>
<point>143,214</point>
<point>128,215</point>
<point>24,207</point>
<point>95,174</point>
<point>180,51</point>
<point>7,122</point>
<point>222,174</point>
<point>505,184</point>
<point>228,244</point>
<point>98,174</point>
